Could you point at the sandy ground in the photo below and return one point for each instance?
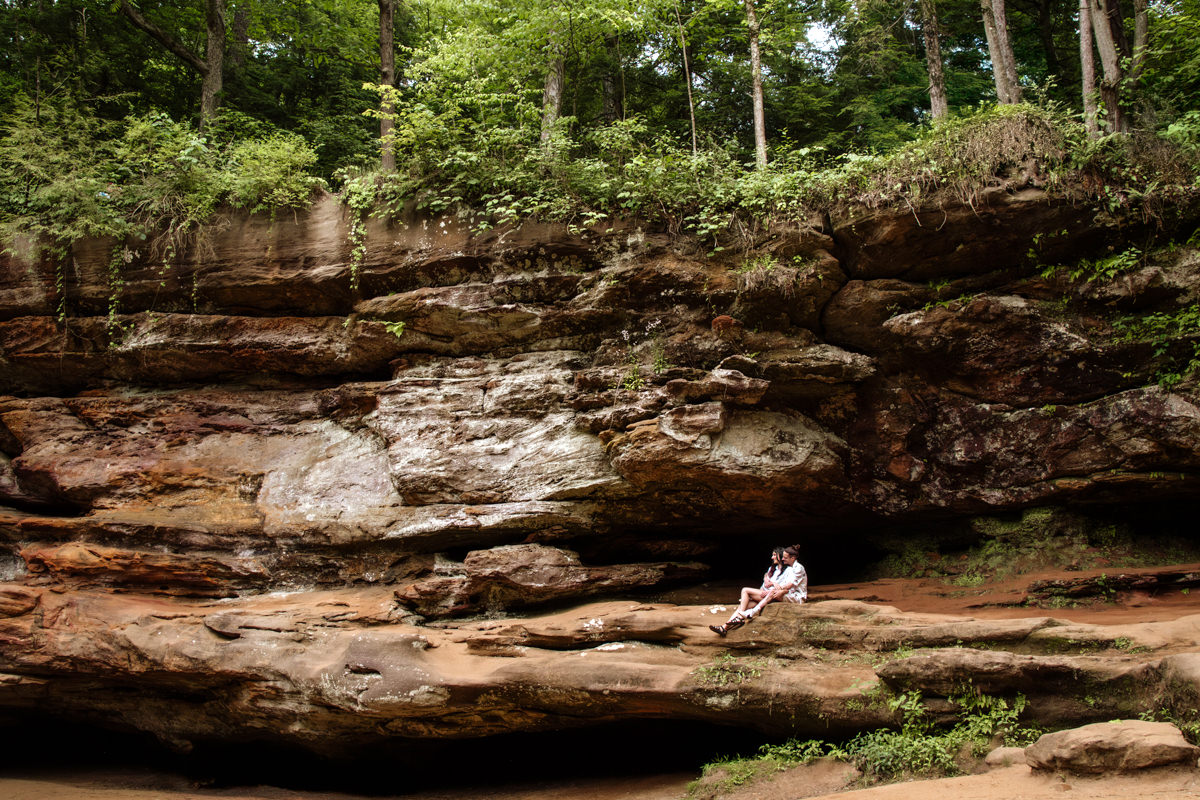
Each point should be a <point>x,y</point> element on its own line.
<point>100,786</point>
<point>923,596</point>
<point>1009,783</point>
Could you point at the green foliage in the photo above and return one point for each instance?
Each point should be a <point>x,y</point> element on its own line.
<point>272,172</point>
<point>146,182</point>
<point>1174,337</point>
<point>845,115</point>
<point>917,748</point>
<point>67,175</point>
<point>1100,270</point>
<point>1185,133</point>
<point>500,172</point>
<point>1182,715</point>
<point>1034,539</point>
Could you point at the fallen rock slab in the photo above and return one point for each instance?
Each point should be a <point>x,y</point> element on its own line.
<point>1122,746</point>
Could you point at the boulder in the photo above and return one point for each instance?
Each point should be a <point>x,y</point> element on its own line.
<point>528,575</point>
<point>1121,746</point>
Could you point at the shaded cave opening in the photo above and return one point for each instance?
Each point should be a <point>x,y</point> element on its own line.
<point>86,752</point>
<point>1071,537</point>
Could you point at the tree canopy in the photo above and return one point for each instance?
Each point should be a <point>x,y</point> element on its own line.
<point>594,84</point>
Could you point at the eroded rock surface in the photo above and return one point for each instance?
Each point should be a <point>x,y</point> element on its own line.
<point>332,669</point>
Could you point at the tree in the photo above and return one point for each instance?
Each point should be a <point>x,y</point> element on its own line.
<point>687,76</point>
<point>760,120</point>
<point>387,77</point>
<point>614,99</point>
<point>1087,62</point>
<point>939,108</point>
<point>1004,69</point>
<point>211,68</point>
<point>1114,49</point>
<point>552,88</point>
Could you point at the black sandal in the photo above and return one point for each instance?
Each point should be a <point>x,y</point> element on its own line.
<point>734,624</point>
<point>719,630</point>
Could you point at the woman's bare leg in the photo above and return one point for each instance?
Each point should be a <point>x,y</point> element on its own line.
<point>750,596</point>
<point>764,598</point>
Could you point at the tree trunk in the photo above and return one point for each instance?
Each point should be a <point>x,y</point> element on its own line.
<point>1010,62</point>
<point>999,73</point>
<point>387,77</point>
<point>1046,34</point>
<point>1141,38</point>
<point>1087,61</point>
<point>210,68</point>
<point>1108,45</point>
<point>760,121</point>
<point>939,108</point>
<point>608,83</point>
<point>552,91</point>
<point>240,35</point>
<point>214,74</point>
<point>687,74</point>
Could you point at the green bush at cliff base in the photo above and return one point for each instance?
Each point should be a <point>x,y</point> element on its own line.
<point>916,749</point>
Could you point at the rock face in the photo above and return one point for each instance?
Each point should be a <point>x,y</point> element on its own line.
<point>264,472</point>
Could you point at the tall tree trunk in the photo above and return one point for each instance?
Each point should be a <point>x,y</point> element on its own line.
<point>1108,45</point>
<point>1087,61</point>
<point>939,108</point>
<point>1046,34</point>
<point>687,74</point>
<point>999,72</point>
<point>210,67</point>
<point>214,74</point>
<point>760,120</point>
<point>1010,62</point>
<point>552,90</point>
<point>387,77</point>
<point>1141,37</point>
<point>608,83</point>
<point>240,36</point>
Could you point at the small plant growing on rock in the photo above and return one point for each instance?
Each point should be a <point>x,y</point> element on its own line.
<point>765,273</point>
<point>727,670</point>
<point>1173,337</point>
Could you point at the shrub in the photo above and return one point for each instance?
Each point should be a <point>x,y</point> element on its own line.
<point>272,172</point>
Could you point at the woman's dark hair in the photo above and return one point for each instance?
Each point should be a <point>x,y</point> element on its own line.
<point>793,550</point>
<point>778,554</point>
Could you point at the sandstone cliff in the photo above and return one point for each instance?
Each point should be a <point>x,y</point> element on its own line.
<point>252,493</point>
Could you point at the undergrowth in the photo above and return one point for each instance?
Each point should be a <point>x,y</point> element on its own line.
<point>1174,337</point>
<point>917,748</point>
<point>153,184</point>
<point>147,182</point>
<point>497,176</point>
<point>1037,538</point>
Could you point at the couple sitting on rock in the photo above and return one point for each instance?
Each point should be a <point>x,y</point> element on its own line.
<point>784,580</point>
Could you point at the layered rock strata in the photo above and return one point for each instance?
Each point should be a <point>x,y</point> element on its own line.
<point>467,423</point>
